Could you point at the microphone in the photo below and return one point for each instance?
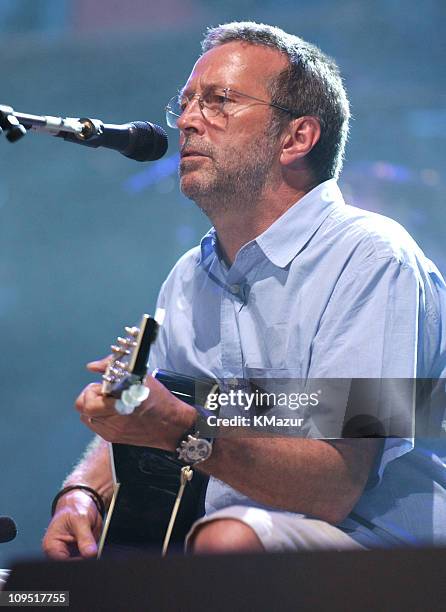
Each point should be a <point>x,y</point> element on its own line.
<point>138,140</point>
<point>8,529</point>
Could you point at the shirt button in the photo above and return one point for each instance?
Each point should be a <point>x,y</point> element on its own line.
<point>234,289</point>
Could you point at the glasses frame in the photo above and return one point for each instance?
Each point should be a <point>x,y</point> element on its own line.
<point>202,106</point>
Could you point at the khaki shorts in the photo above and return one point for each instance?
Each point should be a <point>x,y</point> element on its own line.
<point>281,531</point>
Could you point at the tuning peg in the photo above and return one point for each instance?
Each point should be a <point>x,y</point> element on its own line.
<point>126,342</point>
<point>132,331</point>
<point>121,365</point>
<point>116,371</point>
<point>120,350</point>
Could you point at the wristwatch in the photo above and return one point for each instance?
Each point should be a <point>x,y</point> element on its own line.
<point>193,449</point>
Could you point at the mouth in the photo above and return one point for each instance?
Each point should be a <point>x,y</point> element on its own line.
<point>191,153</point>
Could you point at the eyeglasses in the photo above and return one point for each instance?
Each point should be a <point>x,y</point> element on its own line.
<point>215,102</point>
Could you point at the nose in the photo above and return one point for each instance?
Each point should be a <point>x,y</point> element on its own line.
<point>192,117</point>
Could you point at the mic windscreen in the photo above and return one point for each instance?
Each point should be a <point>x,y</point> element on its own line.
<point>8,529</point>
<point>148,142</point>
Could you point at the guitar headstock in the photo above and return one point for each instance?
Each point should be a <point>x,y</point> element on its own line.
<point>128,365</point>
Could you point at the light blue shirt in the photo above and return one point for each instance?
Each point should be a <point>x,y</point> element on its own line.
<point>327,291</point>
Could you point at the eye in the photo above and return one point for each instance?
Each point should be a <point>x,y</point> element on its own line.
<point>213,100</point>
<point>182,102</point>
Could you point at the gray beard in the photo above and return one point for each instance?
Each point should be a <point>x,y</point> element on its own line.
<point>235,188</point>
<point>234,191</point>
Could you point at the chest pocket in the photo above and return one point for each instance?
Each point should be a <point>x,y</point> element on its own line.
<point>275,353</point>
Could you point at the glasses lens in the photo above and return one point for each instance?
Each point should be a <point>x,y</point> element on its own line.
<point>173,112</point>
<point>213,103</point>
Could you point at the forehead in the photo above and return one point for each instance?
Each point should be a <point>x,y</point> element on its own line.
<point>238,65</point>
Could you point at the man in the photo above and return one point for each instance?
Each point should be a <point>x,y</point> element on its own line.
<point>290,284</point>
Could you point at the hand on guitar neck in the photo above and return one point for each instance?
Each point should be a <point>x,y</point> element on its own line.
<point>158,422</point>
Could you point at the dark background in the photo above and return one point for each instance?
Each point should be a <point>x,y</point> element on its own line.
<point>87,236</point>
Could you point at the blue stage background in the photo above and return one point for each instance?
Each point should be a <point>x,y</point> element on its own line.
<point>87,236</point>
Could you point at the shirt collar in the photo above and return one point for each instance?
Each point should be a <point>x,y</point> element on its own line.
<point>288,235</point>
<point>208,246</point>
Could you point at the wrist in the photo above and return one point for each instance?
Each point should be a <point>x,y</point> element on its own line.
<point>69,490</point>
<point>76,500</point>
<point>185,420</point>
<point>191,447</point>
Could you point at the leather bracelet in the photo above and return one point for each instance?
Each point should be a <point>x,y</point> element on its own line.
<point>99,502</point>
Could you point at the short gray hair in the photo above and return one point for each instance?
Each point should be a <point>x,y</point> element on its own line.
<point>310,85</point>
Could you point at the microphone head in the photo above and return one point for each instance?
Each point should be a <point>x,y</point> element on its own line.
<point>8,529</point>
<point>148,142</point>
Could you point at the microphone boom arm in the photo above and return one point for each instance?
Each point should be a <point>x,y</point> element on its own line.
<point>15,122</point>
<point>138,140</point>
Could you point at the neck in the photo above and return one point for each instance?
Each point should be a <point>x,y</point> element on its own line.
<point>238,224</point>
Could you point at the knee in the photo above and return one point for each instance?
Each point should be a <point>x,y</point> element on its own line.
<point>224,536</point>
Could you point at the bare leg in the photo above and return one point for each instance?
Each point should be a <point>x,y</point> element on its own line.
<point>225,536</point>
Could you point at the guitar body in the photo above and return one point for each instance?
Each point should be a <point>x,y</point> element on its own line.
<point>149,482</point>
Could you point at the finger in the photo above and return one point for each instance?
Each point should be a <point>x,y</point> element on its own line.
<point>92,403</point>
<point>85,539</point>
<point>103,428</point>
<point>99,365</point>
<point>92,423</point>
<point>56,549</point>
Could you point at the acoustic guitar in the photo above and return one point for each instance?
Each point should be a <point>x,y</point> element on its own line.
<point>147,480</point>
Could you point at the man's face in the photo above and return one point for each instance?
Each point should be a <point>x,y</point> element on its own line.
<point>228,160</point>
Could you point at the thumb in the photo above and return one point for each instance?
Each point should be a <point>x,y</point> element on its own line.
<point>100,365</point>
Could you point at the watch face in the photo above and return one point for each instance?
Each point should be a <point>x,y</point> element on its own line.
<point>194,450</point>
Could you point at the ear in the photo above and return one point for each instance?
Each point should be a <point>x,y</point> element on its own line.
<point>299,138</point>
